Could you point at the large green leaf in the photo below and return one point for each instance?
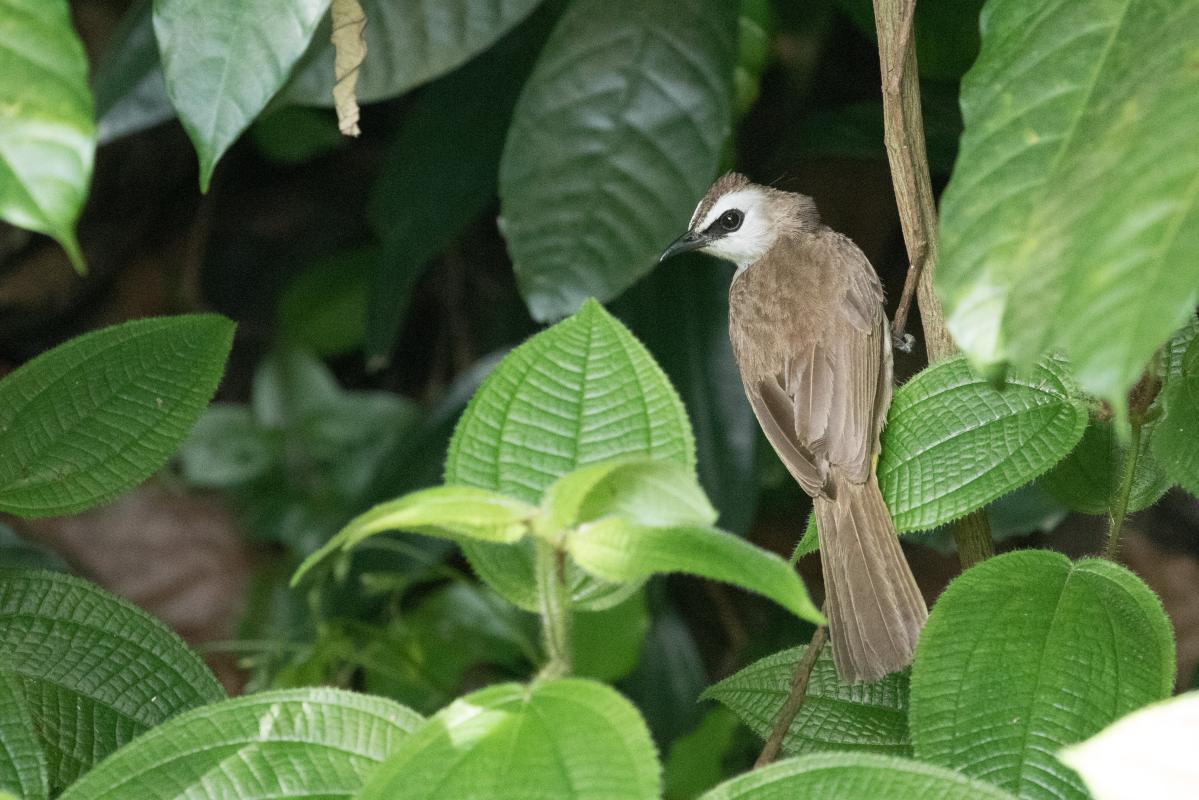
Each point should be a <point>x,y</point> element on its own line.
<point>1175,435</point>
<point>299,743</point>
<point>692,292</point>
<point>569,739</point>
<point>131,94</point>
<point>1028,652</point>
<point>47,137</point>
<point>871,717</point>
<point>1086,479</point>
<point>849,776</point>
<point>1072,217</point>
<point>953,442</point>
<point>451,512</point>
<point>1145,754</point>
<point>96,670</point>
<point>97,415</point>
<point>408,42</point>
<point>22,762</point>
<point>616,550</point>
<point>617,134</point>
<point>581,392</point>
<point>225,59</point>
<point>441,169</point>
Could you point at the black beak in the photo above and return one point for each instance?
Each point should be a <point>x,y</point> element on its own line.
<point>685,244</point>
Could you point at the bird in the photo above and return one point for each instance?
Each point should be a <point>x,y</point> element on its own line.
<point>812,345</point>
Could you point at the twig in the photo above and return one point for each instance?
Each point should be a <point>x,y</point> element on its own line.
<point>1118,511</point>
<point>908,157</point>
<point>795,698</point>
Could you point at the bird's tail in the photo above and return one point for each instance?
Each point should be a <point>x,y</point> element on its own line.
<point>874,608</point>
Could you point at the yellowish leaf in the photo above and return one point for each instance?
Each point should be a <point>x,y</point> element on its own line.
<point>349,20</point>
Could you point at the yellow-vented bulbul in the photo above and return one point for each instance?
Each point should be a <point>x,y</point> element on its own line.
<point>814,350</point>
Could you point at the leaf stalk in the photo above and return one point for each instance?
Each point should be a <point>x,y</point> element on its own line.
<point>554,604</point>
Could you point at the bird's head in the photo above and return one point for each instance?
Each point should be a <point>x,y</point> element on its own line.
<point>740,221</point>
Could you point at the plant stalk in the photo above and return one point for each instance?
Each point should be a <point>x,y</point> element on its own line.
<point>554,601</point>
<point>1118,510</point>
<point>908,157</point>
<point>795,698</point>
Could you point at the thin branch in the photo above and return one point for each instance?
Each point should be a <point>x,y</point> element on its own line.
<point>795,698</point>
<point>1118,511</point>
<point>908,157</point>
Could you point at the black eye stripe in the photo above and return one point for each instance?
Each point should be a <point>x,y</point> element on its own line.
<point>727,222</point>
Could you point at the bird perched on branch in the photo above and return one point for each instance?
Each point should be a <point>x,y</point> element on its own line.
<point>814,351</point>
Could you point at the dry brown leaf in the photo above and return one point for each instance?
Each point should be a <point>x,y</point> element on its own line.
<point>349,20</point>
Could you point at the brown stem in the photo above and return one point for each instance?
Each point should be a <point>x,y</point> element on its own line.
<point>795,698</point>
<point>904,134</point>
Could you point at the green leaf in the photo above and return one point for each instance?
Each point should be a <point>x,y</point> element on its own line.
<point>19,553</point>
<point>130,91</point>
<point>293,135</point>
<point>1028,652</point>
<point>946,33</point>
<point>1145,754</point>
<point>694,350</point>
<point>619,551</point>
<point>1175,434</point>
<point>619,131</point>
<point>299,743</point>
<point>637,489</point>
<point>568,739</point>
<point>871,717</point>
<point>22,762</point>
<point>440,171</point>
<point>670,675</point>
<point>1072,216</point>
<point>695,762</point>
<point>448,512</point>
<point>954,443</point>
<point>606,645</point>
<point>408,42</point>
<point>1085,480</point>
<point>96,670</point>
<point>853,775</point>
<point>324,308</point>
<point>581,392</point>
<point>226,448</point>
<point>96,416</point>
<point>224,60</point>
<point>47,137</point>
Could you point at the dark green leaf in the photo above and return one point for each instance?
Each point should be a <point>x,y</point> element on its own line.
<point>97,415</point>
<point>1175,436</point>
<point>440,171</point>
<point>606,645</point>
<point>47,137</point>
<point>224,59</point>
<point>620,551</point>
<point>408,42</point>
<point>946,33</point>
<point>324,308</point>
<point>1072,216</point>
<point>581,392</point>
<point>294,743</point>
<point>290,386</point>
<point>1085,480</point>
<point>96,670</point>
<point>871,717</point>
<point>670,674</point>
<point>569,740</point>
<point>851,776</point>
<point>294,135</point>
<point>22,762</point>
<point>131,94</point>
<point>18,553</point>
<point>695,760</point>
<point>1028,652</point>
<point>617,134</point>
<point>680,311</point>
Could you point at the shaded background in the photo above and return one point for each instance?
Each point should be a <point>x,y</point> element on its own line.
<point>309,431</point>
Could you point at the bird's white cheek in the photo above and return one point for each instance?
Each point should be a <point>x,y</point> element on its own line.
<point>743,247</point>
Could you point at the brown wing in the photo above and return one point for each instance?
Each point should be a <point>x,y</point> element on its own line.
<point>825,408</point>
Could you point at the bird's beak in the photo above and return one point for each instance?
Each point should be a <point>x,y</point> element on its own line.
<point>685,244</point>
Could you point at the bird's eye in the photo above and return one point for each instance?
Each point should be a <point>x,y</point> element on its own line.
<point>731,220</point>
